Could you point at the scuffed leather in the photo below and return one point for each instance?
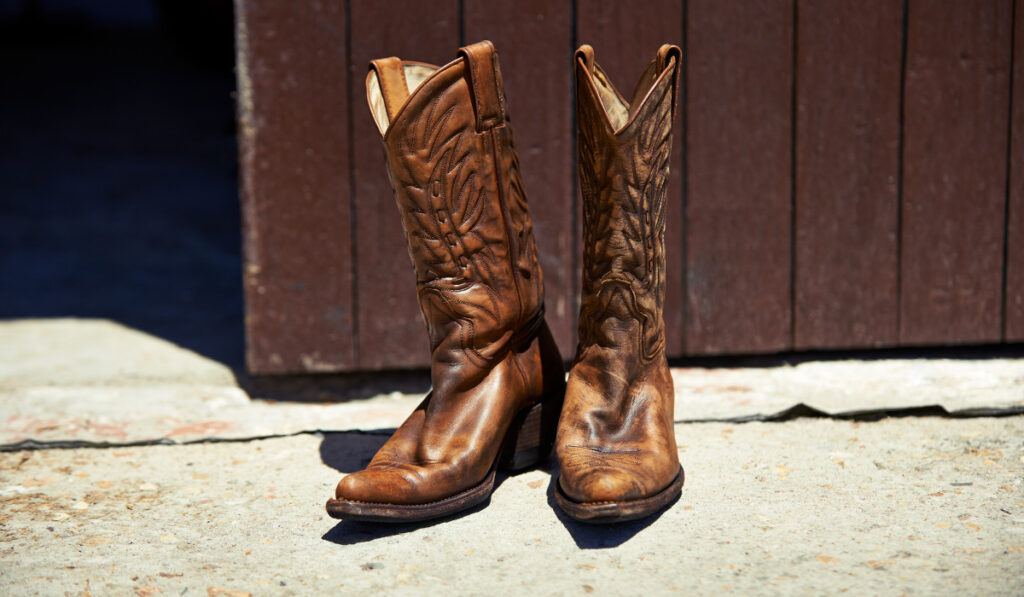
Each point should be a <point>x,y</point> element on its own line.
<point>615,438</point>
<point>479,283</point>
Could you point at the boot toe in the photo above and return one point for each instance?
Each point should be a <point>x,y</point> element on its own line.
<point>602,485</point>
<point>373,486</point>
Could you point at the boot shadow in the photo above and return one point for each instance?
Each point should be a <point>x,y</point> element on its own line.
<point>350,532</point>
<point>599,536</point>
<point>350,451</point>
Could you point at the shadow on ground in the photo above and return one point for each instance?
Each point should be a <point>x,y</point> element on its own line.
<point>339,387</point>
<point>120,195</point>
<point>119,178</point>
<point>350,532</point>
<point>599,536</point>
<point>767,361</point>
<point>352,451</point>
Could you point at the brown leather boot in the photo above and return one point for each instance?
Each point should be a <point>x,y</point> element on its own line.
<point>498,379</point>
<point>616,445</point>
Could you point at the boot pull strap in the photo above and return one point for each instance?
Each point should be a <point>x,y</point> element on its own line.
<point>585,54</point>
<point>485,84</point>
<point>393,86</point>
<point>664,53</point>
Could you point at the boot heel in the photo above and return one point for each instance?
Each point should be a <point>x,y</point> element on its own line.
<point>532,435</point>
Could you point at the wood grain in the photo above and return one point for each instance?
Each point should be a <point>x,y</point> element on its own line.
<point>1014,302</point>
<point>847,171</point>
<point>294,164</point>
<point>625,40</point>
<point>954,171</point>
<point>739,126</point>
<point>392,334</point>
<point>536,77</point>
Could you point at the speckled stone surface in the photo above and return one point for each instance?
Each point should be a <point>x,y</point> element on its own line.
<point>809,506</point>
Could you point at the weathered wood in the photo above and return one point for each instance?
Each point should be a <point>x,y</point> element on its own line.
<point>738,203</point>
<point>294,161</point>
<point>536,74</point>
<point>1014,330</point>
<point>956,98</point>
<point>625,39</point>
<point>847,171</point>
<point>391,330</point>
<point>851,266</point>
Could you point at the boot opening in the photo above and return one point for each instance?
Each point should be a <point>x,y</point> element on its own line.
<point>415,74</point>
<point>614,106</point>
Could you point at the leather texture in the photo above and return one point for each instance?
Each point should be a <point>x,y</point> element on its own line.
<point>615,437</point>
<point>453,166</point>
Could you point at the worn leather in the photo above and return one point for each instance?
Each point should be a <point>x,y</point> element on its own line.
<point>615,439</point>
<point>453,165</point>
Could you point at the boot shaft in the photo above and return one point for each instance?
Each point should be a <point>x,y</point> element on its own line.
<point>453,166</point>
<point>624,150</point>
<point>616,445</point>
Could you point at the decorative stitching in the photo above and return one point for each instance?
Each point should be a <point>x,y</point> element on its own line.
<point>624,180</point>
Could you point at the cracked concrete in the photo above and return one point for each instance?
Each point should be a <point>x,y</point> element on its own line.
<point>914,505</point>
<point>909,505</point>
<point>73,382</point>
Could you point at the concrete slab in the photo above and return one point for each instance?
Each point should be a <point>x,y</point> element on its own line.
<point>74,382</point>
<point>77,416</point>
<point>96,382</point>
<point>70,352</point>
<point>911,505</point>
<point>851,387</point>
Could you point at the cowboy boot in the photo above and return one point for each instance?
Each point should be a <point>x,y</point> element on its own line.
<point>497,377</point>
<point>616,444</point>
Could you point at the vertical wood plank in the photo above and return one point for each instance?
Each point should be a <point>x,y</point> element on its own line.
<point>1014,330</point>
<point>625,40</point>
<point>391,330</point>
<point>847,170</point>
<point>954,171</point>
<point>294,169</point>
<point>739,126</point>
<point>534,39</point>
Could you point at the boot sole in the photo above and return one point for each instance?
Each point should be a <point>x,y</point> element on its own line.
<point>380,512</point>
<point>529,440</point>
<point>612,512</point>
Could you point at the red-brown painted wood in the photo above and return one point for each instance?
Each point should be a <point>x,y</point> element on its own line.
<point>738,202</point>
<point>293,137</point>
<point>625,39</point>
<point>847,172</point>
<point>299,188</point>
<point>535,74</point>
<point>954,171</point>
<point>1014,330</point>
<point>391,330</point>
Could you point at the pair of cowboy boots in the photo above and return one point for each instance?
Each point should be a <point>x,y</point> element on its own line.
<point>499,397</point>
